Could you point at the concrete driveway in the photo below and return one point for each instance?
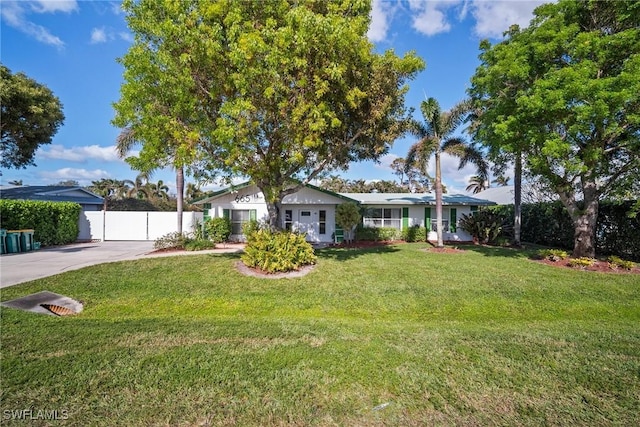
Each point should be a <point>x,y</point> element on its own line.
<point>23,267</point>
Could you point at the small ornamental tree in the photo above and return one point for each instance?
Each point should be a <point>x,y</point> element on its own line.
<point>348,217</point>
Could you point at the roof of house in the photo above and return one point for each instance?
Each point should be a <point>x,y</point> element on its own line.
<point>237,187</point>
<point>500,195</point>
<point>416,199</point>
<point>52,193</point>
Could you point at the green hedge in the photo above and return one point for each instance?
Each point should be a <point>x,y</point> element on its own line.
<point>55,223</point>
<point>414,234</point>
<point>377,234</point>
<point>549,224</point>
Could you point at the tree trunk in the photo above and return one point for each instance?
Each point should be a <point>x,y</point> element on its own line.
<point>517,199</point>
<point>584,219</point>
<point>440,242</point>
<point>274,208</point>
<point>180,196</point>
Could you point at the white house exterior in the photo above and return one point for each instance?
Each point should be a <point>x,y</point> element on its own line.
<point>312,210</point>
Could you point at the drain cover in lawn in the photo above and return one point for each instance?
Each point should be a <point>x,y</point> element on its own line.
<point>46,302</point>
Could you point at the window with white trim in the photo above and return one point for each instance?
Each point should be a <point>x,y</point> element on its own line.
<point>445,220</point>
<point>383,217</point>
<point>239,217</point>
<point>322,222</point>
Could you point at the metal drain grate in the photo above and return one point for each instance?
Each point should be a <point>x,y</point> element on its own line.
<point>58,310</point>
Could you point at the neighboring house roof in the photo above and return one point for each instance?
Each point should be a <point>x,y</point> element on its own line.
<point>500,195</point>
<point>416,199</point>
<point>52,193</point>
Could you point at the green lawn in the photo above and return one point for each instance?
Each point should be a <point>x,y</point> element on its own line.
<point>386,336</point>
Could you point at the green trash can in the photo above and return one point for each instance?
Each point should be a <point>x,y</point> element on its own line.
<point>13,241</point>
<point>3,241</point>
<point>26,240</point>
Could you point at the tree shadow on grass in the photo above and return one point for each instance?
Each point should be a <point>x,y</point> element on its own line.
<point>344,253</point>
<point>499,251</point>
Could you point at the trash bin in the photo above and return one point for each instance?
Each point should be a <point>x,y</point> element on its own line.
<point>3,241</point>
<point>13,241</point>
<point>26,240</point>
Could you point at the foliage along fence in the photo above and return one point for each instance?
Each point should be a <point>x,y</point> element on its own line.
<point>549,224</point>
<point>54,223</point>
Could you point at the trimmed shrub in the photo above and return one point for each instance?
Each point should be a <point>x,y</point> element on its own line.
<point>173,240</point>
<point>581,262</point>
<point>275,252</point>
<point>552,254</point>
<point>218,229</point>
<point>54,223</point>
<point>377,234</point>
<point>616,262</point>
<point>199,245</point>
<point>414,234</point>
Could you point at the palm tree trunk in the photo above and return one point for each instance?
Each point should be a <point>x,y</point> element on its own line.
<point>180,195</point>
<point>517,199</point>
<point>440,242</point>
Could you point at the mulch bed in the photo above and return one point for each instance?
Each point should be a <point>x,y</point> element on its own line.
<point>600,266</point>
<point>255,272</point>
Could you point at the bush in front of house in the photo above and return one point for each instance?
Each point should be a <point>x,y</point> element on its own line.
<point>414,234</point>
<point>218,229</point>
<point>486,226</point>
<point>172,240</point>
<point>54,223</point>
<point>278,251</point>
<point>377,234</point>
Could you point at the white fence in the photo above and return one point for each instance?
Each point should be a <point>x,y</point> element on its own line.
<point>129,225</point>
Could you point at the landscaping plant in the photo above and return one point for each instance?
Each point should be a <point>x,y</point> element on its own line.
<point>218,229</point>
<point>278,251</point>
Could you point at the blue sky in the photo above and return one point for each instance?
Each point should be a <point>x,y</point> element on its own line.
<point>71,47</point>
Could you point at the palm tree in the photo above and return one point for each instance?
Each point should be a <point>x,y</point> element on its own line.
<point>125,142</point>
<point>139,188</point>
<point>501,180</point>
<point>477,184</point>
<point>436,137</point>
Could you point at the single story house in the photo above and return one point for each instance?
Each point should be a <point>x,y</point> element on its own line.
<point>311,210</point>
<point>54,193</point>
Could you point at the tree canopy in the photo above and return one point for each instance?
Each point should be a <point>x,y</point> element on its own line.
<point>275,91</point>
<point>31,116</point>
<point>566,92</point>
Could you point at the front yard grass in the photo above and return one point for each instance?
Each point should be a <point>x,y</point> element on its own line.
<point>382,336</point>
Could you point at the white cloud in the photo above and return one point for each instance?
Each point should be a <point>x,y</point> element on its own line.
<point>80,154</point>
<point>98,35</point>
<point>128,37</point>
<point>15,15</point>
<point>430,17</point>
<point>494,17</point>
<point>44,6</point>
<point>385,161</point>
<point>82,175</point>
<point>381,14</point>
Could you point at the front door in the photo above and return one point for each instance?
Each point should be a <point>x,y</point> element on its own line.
<point>307,223</point>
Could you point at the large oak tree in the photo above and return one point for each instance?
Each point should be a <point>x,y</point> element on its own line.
<point>277,91</point>
<point>565,93</point>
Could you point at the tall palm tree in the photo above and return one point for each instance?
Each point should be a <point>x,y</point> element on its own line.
<point>125,142</point>
<point>477,184</point>
<point>436,137</point>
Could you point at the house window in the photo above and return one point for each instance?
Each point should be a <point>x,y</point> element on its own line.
<point>239,217</point>
<point>383,217</point>
<point>445,220</point>
<point>323,222</point>
<point>288,219</point>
